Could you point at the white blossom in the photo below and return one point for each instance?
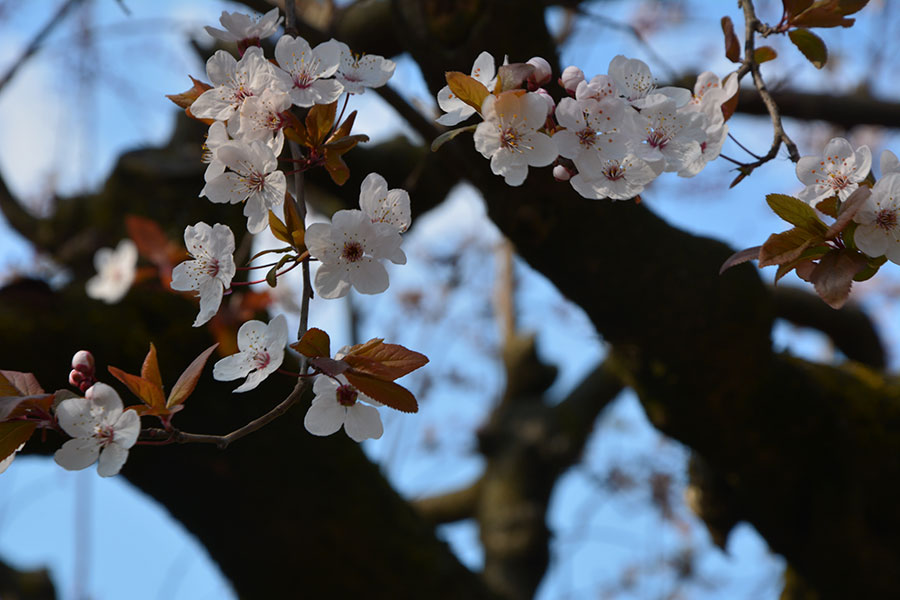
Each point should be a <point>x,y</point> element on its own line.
<point>593,131</point>
<point>458,111</point>
<point>337,404</point>
<point>509,135</point>
<point>664,135</point>
<point>357,72</point>
<point>616,179</point>
<point>889,163</point>
<point>837,173</point>
<point>635,82</point>
<point>233,81</point>
<point>261,350</point>
<point>709,96</point>
<point>240,27</point>
<point>211,270</point>
<point>216,136</point>
<point>382,205</point>
<point>254,179</point>
<point>115,272</point>
<point>308,70</point>
<point>261,119</point>
<point>878,233</point>
<point>99,428</point>
<point>350,250</point>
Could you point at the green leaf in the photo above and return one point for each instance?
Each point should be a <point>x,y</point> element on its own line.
<point>13,435</point>
<point>186,383</point>
<point>811,45</point>
<point>732,45</point>
<point>827,13</point>
<point>272,276</point>
<point>468,89</point>
<point>279,229</point>
<point>271,251</point>
<point>449,135</point>
<point>294,224</point>
<point>387,392</point>
<point>764,54</point>
<point>797,213</point>
<point>314,342</point>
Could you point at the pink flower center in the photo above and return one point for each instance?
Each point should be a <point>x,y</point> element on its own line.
<point>614,172</point>
<point>353,251</point>
<point>212,267</point>
<point>303,80</point>
<point>105,434</point>
<point>587,136</point>
<point>241,93</point>
<point>346,395</point>
<point>509,138</point>
<point>262,359</point>
<point>256,182</point>
<point>838,181</point>
<point>658,139</point>
<point>886,219</point>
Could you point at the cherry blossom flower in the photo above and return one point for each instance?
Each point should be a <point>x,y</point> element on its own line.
<point>878,233</point>
<point>233,82</point>
<point>458,111</point>
<point>337,404</point>
<point>261,350</point>
<point>261,118</point>
<point>308,69</point>
<point>635,82</point>
<point>253,179</point>
<point>509,136</point>
<point>542,74</point>
<point>115,272</point>
<point>4,464</point>
<point>617,179</point>
<point>357,72</point>
<point>837,173</point>
<point>571,78</point>
<point>216,136</point>
<point>593,131</point>
<point>382,205</point>
<point>709,96</point>
<point>211,270</point>
<point>598,88</point>
<point>241,28</point>
<point>99,427</point>
<point>350,249</point>
<point>665,135</point>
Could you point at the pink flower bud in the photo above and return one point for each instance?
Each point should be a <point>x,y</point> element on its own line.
<point>570,78</point>
<point>541,74</point>
<point>83,361</point>
<point>76,378</point>
<point>560,173</point>
<point>546,97</point>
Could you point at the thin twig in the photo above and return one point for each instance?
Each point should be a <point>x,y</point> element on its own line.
<point>35,43</point>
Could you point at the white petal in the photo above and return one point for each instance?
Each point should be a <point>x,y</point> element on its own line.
<point>324,417</point>
<point>127,428</point>
<point>232,367</point>
<point>363,423</point>
<point>75,417</point>
<point>332,281</point>
<point>368,276</point>
<point>77,454</point>
<point>112,458</point>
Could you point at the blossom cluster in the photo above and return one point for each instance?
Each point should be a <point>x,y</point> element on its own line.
<point>612,136</point>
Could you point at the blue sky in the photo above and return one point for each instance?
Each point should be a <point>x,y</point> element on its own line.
<point>49,516</point>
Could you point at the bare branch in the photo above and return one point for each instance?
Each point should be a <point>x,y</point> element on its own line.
<point>450,507</point>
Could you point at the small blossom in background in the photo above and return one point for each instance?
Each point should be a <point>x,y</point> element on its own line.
<point>82,375</point>
<point>212,269</point>
<point>837,173</point>
<point>878,232</point>
<point>243,28</point>
<point>571,78</point>
<point>261,351</point>
<point>357,72</point>
<point>254,179</point>
<point>99,428</point>
<point>509,135</point>
<point>889,163</point>
<point>458,111</point>
<point>350,250</point>
<point>338,404</point>
<point>115,272</point>
<point>308,70</point>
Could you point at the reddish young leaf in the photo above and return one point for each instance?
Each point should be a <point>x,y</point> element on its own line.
<point>510,77</point>
<point>20,392</point>
<point>834,274</point>
<point>329,366</point>
<point>151,241</point>
<point>185,99</point>
<point>13,435</point>
<point>294,224</point>
<point>764,54</point>
<point>739,257</point>
<point>386,392</point>
<point>732,45</point>
<point>149,393</point>
<point>468,89</point>
<point>793,8</point>
<point>343,130</point>
<point>187,381</point>
<point>279,229</point>
<point>319,121</point>
<point>385,361</point>
<point>785,246</point>
<point>150,368</point>
<point>314,342</point>
<point>806,257</point>
<point>848,210</point>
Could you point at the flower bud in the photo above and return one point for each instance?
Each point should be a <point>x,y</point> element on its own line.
<point>560,173</point>
<point>83,361</point>
<point>546,97</point>
<point>570,78</point>
<point>76,378</point>
<point>542,72</point>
